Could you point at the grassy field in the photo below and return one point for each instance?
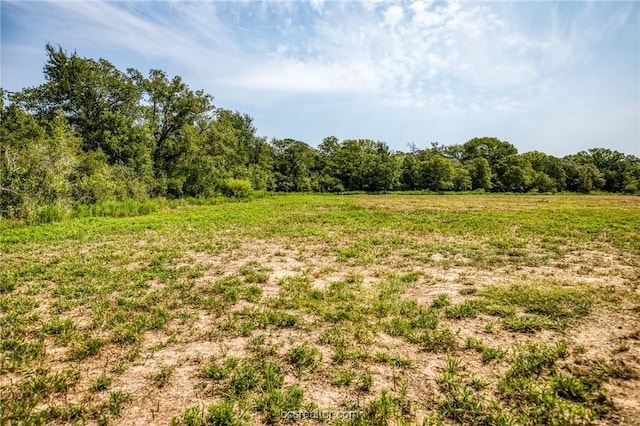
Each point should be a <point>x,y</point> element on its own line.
<point>361,309</point>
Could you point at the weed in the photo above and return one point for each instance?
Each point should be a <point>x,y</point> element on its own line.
<point>442,300</point>
<point>223,414</point>
<point>162,377</point>
<point>550,300</point>
<point>365,381</point>
<point>439,340</point>
<point>452,365</point>
<point>395,361</point>
<point>245,378</point>
<point>616,369</point>
<point>275,401</point>
<point>212,370</point>
<point>304,358</point>
<point>117,399</point>
<point>259,346</point>
<point>531,358</point>
<point>340,355</point>
<point>254,273</point>
<point>489,328</point>
<point>488,353</point>
<point>192,416</point>
<point>466,309</point>
<point>381,410</point>
<point>343,378</point>
<point>527,323</point>
<point>85,348</point>
<point>101,383</point>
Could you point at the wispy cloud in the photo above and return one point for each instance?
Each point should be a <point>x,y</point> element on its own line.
<point>412,58</point>
<point>404,52</point>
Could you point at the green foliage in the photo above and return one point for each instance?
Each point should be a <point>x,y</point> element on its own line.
<point>360,164</point>
<point>631,188</point>
<point>304,358</point>
<point>276,400</point>
<point>126,208</point>
<point>480,172</point>
<point>550,305</point>
<point>102,383</point>
<point>589,178</point>
<point>237,188</point>
<point>514,173</point>
<point>36,162</point>
<point>94,134</point>
<point>222,414</point>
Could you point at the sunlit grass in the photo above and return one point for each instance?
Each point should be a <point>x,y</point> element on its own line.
<point>353,293</point>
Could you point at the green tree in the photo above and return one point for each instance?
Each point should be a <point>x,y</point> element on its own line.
<point>547,167</point>
<point>492,149</point>
<point>410,171</point>
<point>169,106</point>
<point>480,173</point>
<point>36,161</point>
<point>217,148</point>
<point>365,165</point>
<point>435,172</point>
<point>462,179</point>
<point>295,166</point>
<point>328,181</point>
<point>514,174</point>
<point>100,102</point>
<point>616,168</point>
<point>589,178</point>
<point>543,182</point>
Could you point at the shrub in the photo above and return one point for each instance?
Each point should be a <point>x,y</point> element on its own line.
<point>237,188</point>
<point>631,188</point>
<point>49,214</point>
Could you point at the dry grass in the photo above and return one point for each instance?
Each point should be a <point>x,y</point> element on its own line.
<point>401,308</point>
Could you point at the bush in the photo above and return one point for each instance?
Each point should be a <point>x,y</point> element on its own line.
<point>631,189</point>
<point>237,188</point>
<point>125,208</point>
<point>49,214</point>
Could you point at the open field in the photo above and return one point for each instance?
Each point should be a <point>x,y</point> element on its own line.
<point>403,309</point>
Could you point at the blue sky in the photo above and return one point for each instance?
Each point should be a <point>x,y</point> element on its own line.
<point>557,77</point>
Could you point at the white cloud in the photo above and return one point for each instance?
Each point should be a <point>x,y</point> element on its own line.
<point>400,52</point>
<point>291,76</point>
<point>473,58</point>
<point>392,16</point>
<point>317,5</point>
<point>423,17</point>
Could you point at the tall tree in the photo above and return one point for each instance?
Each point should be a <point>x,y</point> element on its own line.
<point>615,167</point>
<point>550,172</point>
<point>100,102</point>
<point>514,174</point>
<point>492,149</point>
<point>365,165</point>
<point>169,106</point>
<point>435,172</point>
<point>480,173</point>
<point>295,166</point>
<point>589,178</point>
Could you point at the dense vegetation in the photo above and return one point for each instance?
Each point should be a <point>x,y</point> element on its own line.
<point>93,133</point>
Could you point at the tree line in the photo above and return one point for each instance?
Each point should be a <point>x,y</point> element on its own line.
<point>93,133</point>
